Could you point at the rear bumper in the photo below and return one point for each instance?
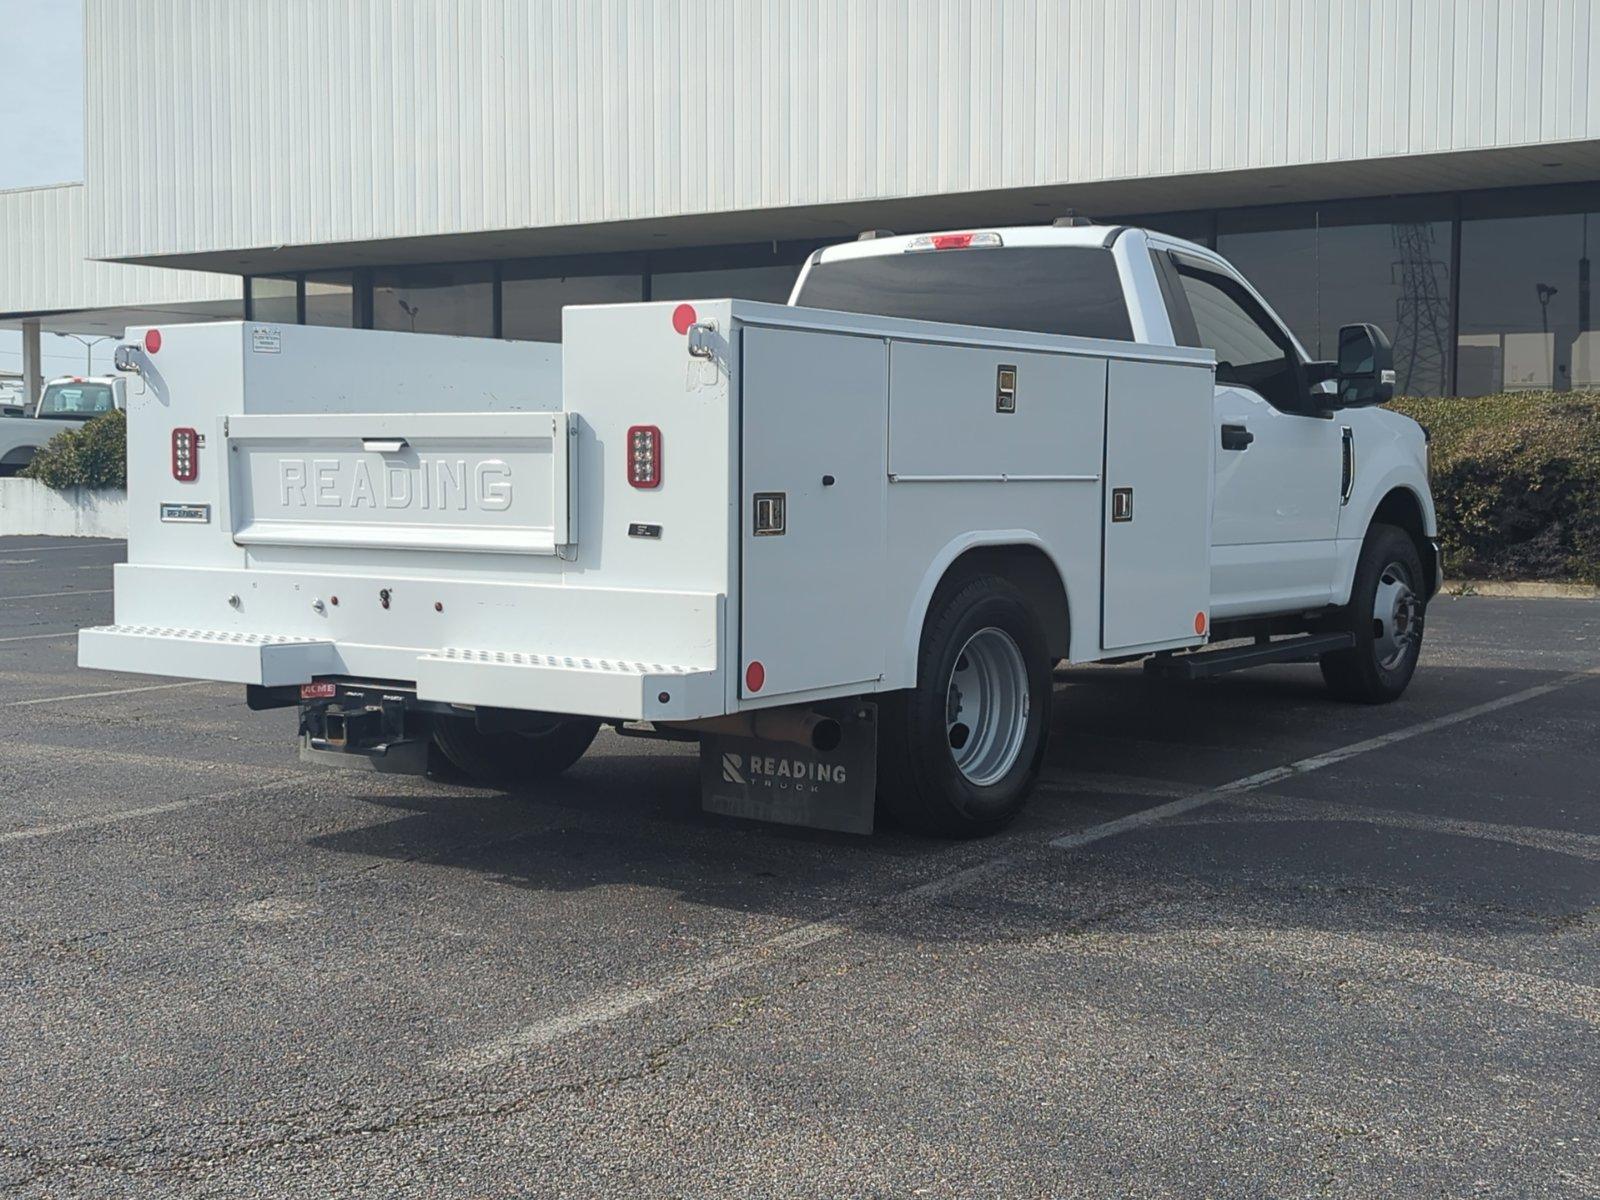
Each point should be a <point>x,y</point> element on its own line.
<point>634,655</point>
<point>590,687</point>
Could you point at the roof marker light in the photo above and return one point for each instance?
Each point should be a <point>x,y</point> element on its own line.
<point>953,241</point>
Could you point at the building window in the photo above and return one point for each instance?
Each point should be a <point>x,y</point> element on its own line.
<point>448,298</point>
<point>1527,320</point>
<point>1321,267</point>
<point>275,299</point>
<point>767,282</point>
<point>330,298</point>
<point>531,302</point>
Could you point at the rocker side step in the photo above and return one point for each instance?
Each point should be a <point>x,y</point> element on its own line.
<point>1306,648</point>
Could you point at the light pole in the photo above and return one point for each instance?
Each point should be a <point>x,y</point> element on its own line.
<point>89,343</point>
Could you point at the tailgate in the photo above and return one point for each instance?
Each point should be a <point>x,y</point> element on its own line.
<point>475,482</point>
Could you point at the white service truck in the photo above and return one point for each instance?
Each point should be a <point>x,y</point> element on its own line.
<point>66,403</point>
<point>841,543</point>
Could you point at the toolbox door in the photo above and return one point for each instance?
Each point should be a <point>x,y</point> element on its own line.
<point>1157,510</point>
<point>814,492</point>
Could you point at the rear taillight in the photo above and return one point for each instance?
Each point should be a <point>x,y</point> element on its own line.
<point>644,456</point>
<point>185,455</point>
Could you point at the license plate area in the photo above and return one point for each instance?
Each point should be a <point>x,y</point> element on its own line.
<point>468,482</point>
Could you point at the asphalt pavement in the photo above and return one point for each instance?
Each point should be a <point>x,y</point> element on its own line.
<point>1246,941</point>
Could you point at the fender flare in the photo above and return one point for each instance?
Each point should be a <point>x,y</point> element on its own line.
<point>905,664</point>
<point>1353,529</point>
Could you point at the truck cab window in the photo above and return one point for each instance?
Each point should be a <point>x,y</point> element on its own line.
<point>1039,289</point>
<point>76,400</point>
<point>1251,350</point>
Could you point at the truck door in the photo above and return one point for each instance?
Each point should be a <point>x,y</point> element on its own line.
<point>1276,508</point>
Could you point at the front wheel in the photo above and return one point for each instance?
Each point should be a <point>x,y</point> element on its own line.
<point>959,753</point>
<point>1387,604</point>
<point>507,759</point>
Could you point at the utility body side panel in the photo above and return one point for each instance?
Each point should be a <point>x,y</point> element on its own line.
<point>814,441</point>
<point>1157,505</point>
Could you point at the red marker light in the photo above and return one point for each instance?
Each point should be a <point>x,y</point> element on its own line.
<point>152,340</point>
<point>951,241</point>
<point>1199,622</point>
<point>755,677</point>
<point>682,317</point>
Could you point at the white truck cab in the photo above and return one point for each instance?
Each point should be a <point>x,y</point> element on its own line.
<point>68,402</point>
<point>840,542</point>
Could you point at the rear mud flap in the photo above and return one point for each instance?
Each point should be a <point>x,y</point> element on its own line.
<point>792,784</point>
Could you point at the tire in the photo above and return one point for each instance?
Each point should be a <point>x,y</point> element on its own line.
<point>937,773</point>
<point>1388,603</point>
<point>509,759</point>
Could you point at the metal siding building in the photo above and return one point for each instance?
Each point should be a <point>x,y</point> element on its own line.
<point>504,116</point>
<point>471,166</point>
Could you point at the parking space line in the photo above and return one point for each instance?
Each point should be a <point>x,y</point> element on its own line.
<point>108,545</point>
<point>153,687</point>
<point>41,637</point>
<point>1064,779</point>
<point>150,810</point>
<point>619,1003</point>
<point>58,595</point>
<point>1271,808</point>
<point>1316,762</point>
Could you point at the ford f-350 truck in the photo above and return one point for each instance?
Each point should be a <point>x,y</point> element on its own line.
<point>842,543</point>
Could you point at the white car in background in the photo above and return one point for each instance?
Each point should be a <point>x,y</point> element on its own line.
<point>66,403</point>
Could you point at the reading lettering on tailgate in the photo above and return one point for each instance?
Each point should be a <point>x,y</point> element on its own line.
<point>440,484</point>
<point>471,481</point>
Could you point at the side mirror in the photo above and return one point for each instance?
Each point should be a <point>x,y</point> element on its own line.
<point>1366,367</point>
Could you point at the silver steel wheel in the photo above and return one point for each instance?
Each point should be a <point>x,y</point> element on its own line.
<point>986,706</point>
<point>1396,616</point>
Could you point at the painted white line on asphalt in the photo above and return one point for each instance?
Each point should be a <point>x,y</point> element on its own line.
<point>57,595</point>
<point>129,814</point>
<point>1058,779</point>
<point>95,545</point>
<point>611,1005</point>
<point>1316,762</point>
<point>1268,807</point>
<point>154,687</point>
<point>41,637</point>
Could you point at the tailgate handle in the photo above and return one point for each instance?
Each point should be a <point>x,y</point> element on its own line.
<point>383,445</point>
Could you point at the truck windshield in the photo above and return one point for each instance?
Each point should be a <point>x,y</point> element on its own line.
<point>71,400</point>
<point>1041,289</point>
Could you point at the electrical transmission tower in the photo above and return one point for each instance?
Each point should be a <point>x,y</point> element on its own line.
<point>1422,311</point>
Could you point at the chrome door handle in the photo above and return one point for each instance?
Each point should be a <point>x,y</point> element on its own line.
<point>384,445</point>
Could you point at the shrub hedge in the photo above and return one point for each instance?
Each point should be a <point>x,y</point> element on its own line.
<point>94,456</point>
<point>1516,479</point>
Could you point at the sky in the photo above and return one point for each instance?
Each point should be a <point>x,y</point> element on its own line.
<point>41,130</point>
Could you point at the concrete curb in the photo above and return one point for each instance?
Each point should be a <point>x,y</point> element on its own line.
<point>29,508</point>
<point>1522,591</point>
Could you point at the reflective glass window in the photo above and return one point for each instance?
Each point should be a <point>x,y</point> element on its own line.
<point>444,298</point>
<point>1527,318</point>
<point>530,308</point>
